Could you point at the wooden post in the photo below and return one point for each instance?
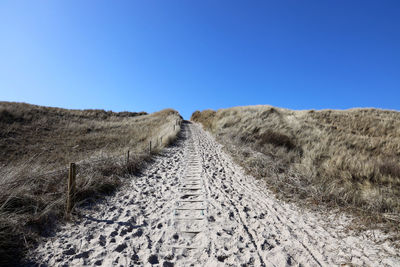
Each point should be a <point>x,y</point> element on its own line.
<point>71,187</point>
<point>161,141</point>
<point>150,147</point>
<point>127,158</point>
<point>174,127</point>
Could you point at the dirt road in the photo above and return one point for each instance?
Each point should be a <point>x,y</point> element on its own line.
<point>193,205</point>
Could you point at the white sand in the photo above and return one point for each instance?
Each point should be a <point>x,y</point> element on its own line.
<point>195,206</point>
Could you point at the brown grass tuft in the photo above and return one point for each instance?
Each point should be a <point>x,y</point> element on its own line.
<point>390,167</point>
<point>276,139</point>
<point>205,117</point>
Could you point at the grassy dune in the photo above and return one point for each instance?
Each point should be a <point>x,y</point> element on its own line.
<point>347,159</point>
<point>36,145</point>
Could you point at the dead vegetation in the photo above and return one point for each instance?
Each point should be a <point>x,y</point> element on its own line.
<point>347,159</point>
<point>37,143</point>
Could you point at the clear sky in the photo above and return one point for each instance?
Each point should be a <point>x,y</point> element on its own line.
<point>193,55</point>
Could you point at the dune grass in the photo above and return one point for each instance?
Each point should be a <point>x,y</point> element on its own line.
<point>36,145</point>
<point>347,159</point>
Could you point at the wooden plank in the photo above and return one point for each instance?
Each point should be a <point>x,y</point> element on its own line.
<point>190,209</point>
<point>71,187</point>
<point>185,248</point>
<point>190,200</point>
<point>190,219</point>
<point>190,188</point>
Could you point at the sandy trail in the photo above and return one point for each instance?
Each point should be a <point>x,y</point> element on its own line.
<point>195,206</point>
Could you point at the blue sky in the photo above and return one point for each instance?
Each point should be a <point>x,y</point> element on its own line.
<point>194,55</point>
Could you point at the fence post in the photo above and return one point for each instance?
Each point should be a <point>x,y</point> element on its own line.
<point>127,158</point>
<point>71,187</point>
<point>150,147</point>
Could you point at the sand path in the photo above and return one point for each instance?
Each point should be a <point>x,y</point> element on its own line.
<point>193,205</point>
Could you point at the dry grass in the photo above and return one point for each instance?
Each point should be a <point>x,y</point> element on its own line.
<point>346,159</point>
<point>37,143</point>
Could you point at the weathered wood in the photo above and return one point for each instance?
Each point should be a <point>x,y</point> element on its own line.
<point>189,248</point>
<point>190,209</point>
<point>199,200</point>
<point>190,219</point>
<point>191,232</point>
<point>71,187</point>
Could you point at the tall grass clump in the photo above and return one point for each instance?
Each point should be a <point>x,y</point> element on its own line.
<point>347,159</point>
<point>37,143</point>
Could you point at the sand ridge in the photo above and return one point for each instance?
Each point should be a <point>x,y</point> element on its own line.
<point>194,206</point>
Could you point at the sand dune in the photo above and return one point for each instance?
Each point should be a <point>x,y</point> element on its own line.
<point>193,205</point>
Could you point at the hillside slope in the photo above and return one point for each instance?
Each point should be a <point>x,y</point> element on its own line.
<point>345,159</point>
<point>36,145</point>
